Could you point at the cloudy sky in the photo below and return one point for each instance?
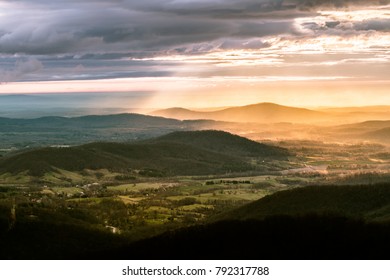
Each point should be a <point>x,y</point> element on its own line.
<point>196,53</point>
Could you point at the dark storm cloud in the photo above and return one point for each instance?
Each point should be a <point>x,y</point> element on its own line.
<point>101,26</point>
<point>97,37</point>
<point>50,27</point>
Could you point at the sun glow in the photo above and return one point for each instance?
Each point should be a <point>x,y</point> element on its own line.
<point>366,43</point>
<point>224,58</point>
<point>359,15</point>
<point>330,32</point>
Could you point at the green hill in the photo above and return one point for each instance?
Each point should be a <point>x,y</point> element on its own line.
<point>167,159</point>
<point>222,142</point>
<point>165,155</point>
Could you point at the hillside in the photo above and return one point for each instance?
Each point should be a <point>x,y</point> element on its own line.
<point>274,238</point>
<point>371,202</point>
<point>222,142</point>
<point>376,131</point>
<point>364,126</point>
<point>258,113</point>
<point>166,159</point>
<point>380,135</point>
<point>183,157</point>
<point>321,222</point>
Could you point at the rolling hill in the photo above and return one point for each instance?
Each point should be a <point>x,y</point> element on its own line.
<point>118,120</point>
<point>375,131</point>
<point>257,113</point>
<point>222,142</point>
<point>363,109</point>
<point>380,135</point>
<point>364,126</point>
<point>181,157</point>
<point>47,131</point>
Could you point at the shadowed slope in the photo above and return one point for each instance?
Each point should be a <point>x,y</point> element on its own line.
<point>210,152</point>
<point>223,142</point>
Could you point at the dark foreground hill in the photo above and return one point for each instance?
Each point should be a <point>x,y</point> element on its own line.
<point>276,237</point>
<point>334,222</point>
<point>369,202</point>
<point>164,155</point>
<point>280,234</point>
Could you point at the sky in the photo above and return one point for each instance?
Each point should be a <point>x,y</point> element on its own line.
<point>198,53</point>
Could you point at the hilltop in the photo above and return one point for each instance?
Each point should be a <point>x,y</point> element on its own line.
<point>222,142</point>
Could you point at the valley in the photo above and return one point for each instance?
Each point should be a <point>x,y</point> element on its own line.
<point>126,179</point>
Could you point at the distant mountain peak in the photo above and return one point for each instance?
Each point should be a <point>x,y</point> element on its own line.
<point>265,112</point>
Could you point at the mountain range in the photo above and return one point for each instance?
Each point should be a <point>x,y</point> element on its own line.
<point>54,130</point>
<point>274,113</point>
<point>257,113</point>
<point>258,121</point>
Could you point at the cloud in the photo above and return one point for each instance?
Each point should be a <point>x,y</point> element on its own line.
<point>355,22</point>
<point>107,37</point>
<point>339,3</point>
<point>49,27</point>
<point>230,44</point>
<point>21,68</point>
<point>102,26</point>
<point>373,24</point>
